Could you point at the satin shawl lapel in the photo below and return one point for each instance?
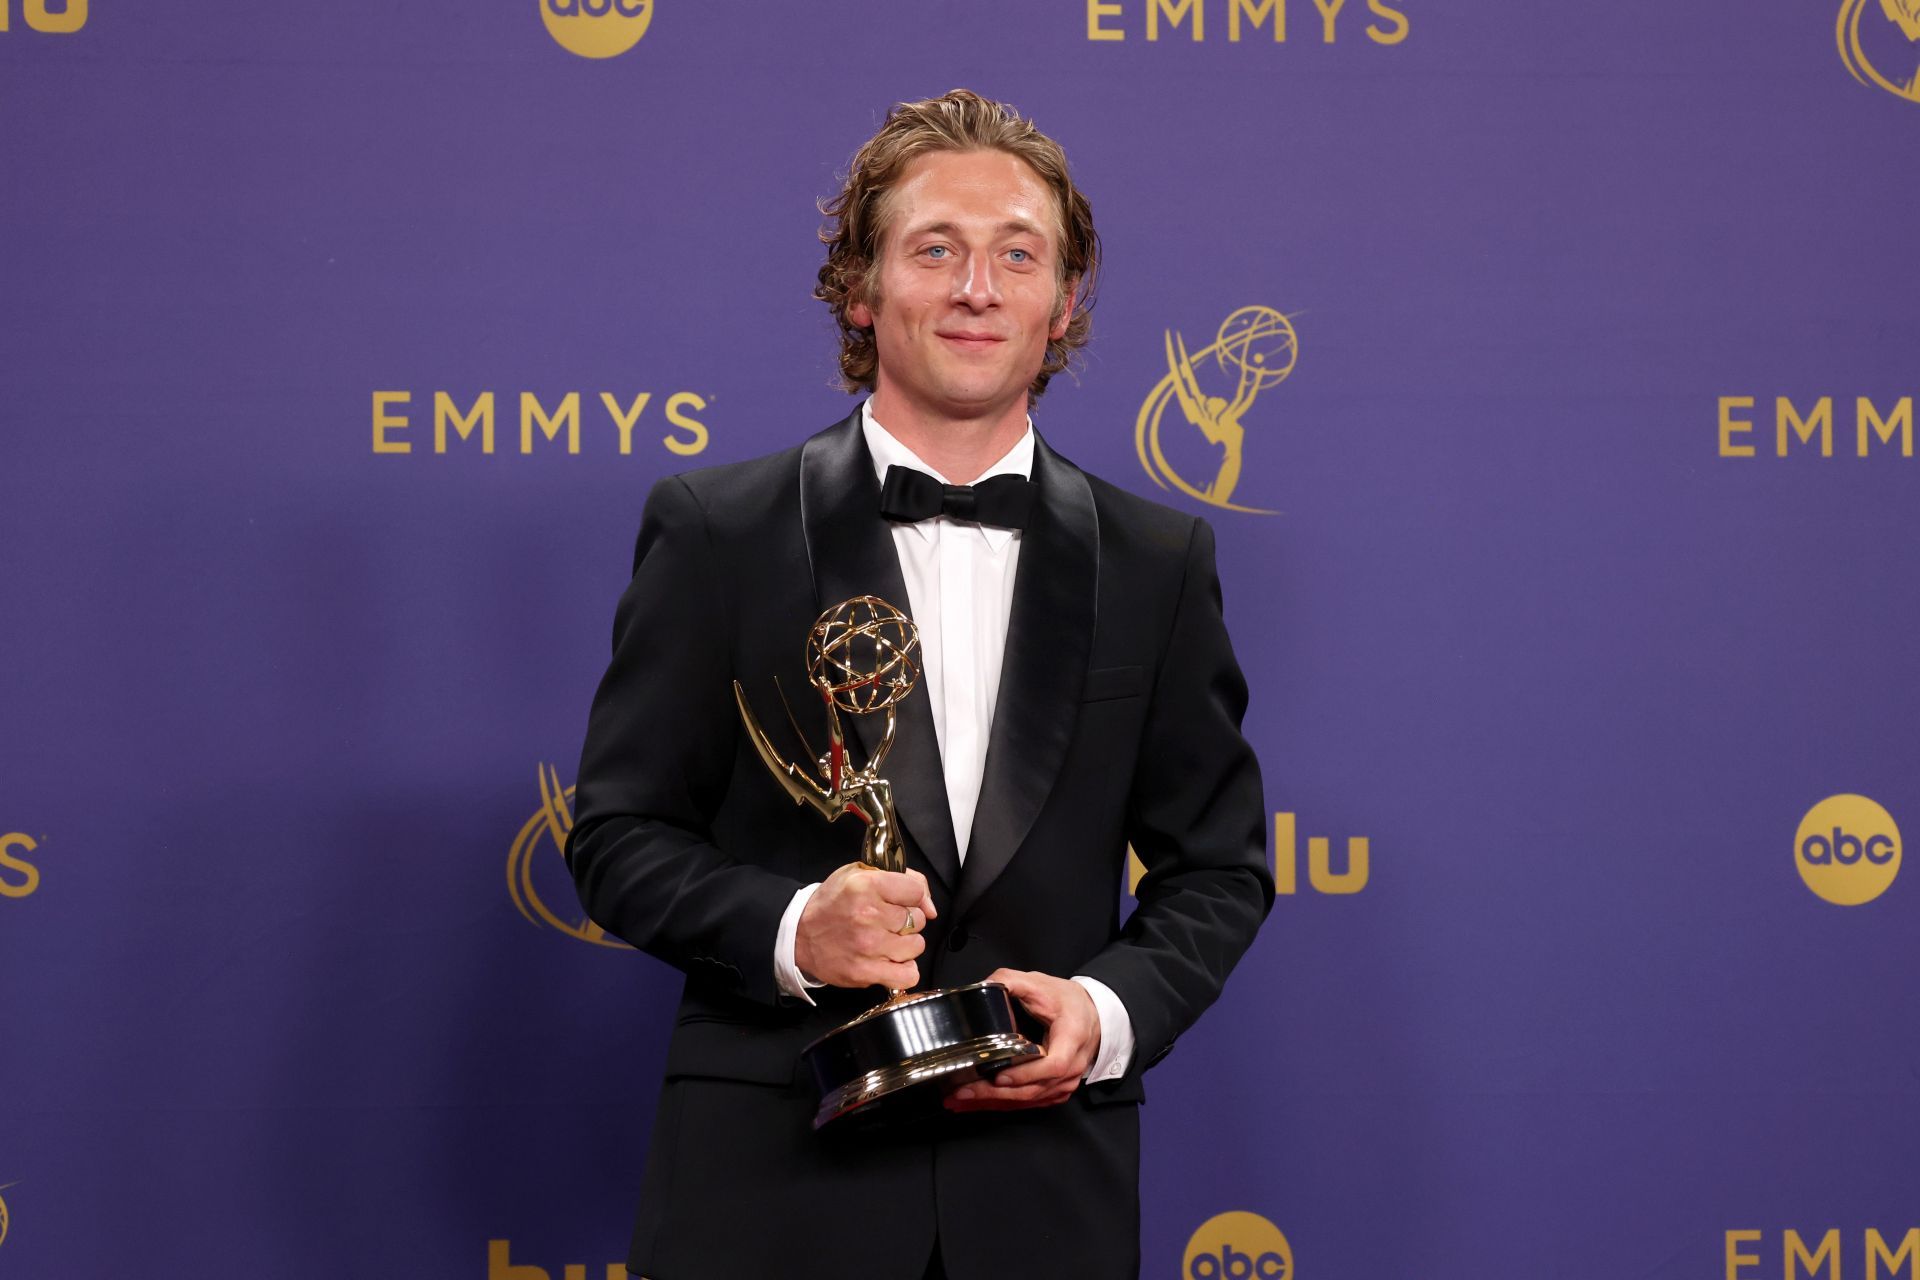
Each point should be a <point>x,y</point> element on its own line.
<point>1049,640</point>
<point>850,551</point>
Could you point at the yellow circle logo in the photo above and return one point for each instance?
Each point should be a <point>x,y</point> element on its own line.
<point>1847,849</point>
<point>1237,1246</point>
<point>597,28</point>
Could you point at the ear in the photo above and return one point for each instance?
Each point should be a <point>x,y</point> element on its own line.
<point>1059,329</point>
<point>860,315</point>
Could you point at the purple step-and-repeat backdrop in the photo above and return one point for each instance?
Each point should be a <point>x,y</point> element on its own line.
<point>1571,557</point>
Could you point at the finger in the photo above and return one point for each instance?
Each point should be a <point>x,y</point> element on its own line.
<point>955,1105</point>
<point>847,870</point>
<point>963,1108</point>
<point>1029,991</point>
<point>971,1098</point>
<point>925,904</point>
<point>900,947</point>
<point>902,888</point>
<point>888,918</point>
<point>873,943</point>
<point>894,977</point>
<point>1048,1098</point>
<point>1052,1069</point>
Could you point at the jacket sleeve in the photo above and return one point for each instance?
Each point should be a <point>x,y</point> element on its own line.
<point>1197,819</point>
<point>659,752</point>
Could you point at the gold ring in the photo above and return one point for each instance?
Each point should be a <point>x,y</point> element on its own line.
<point>909,927</point>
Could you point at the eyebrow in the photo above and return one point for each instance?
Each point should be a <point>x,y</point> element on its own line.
<point>949,228</point>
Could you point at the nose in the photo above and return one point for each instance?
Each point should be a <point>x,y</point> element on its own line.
<point>978,286</point>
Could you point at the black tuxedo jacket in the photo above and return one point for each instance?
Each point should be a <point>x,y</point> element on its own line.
<point>1117,721</point>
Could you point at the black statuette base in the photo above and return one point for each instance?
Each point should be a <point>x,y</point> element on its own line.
<point>927,1038</point>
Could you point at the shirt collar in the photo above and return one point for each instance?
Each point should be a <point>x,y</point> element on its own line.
<point>887,452</point>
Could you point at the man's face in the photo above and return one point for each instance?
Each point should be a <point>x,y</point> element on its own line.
<point>966,286</point>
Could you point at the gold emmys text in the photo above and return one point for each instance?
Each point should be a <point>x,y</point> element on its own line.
<point>1796,431</point>
<point>1109,19</point>
<point>393,419</point>
<point>18,877</point>
<point>1746,1256</point>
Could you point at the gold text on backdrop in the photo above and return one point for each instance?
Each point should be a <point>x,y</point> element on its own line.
<point>501,1266</point>
<point>1811,430</point>
<point>47,19</point>
<point>1747,1252</point>
<point>1112,20</point>
<point>469,427</point>
<point>18,877</point>
<point>1286,862</point>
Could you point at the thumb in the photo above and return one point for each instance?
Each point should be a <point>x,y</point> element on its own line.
<point>1022,986</point>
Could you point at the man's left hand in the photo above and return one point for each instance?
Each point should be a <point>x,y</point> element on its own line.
<point>1073,1038</point>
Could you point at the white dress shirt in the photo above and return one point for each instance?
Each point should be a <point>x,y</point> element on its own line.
<point>959,578</point>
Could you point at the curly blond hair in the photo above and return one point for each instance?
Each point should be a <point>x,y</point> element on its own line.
<point>959,120</point>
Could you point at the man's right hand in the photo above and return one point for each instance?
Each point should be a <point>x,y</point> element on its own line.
<point>849,934</point>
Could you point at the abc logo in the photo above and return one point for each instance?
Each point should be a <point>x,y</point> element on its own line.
<point>1847,849</point>
<point>597,28</point>
<point>1238,1246</point>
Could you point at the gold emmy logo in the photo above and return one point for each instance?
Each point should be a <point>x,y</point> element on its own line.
<point>548,828</point>
<point>1904,19</point>
<point>3,1214</point>
<point>1254,349</point>
<point>59,19</point>
<point>597,28</point>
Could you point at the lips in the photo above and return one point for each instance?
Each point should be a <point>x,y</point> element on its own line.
<point>973,339</point>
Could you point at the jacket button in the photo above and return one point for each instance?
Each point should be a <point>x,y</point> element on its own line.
<point>958,939</point>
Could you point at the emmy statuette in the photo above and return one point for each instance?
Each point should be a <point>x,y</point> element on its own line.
<point>862,658</point>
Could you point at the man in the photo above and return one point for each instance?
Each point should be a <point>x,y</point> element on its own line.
<point>1078,693</point>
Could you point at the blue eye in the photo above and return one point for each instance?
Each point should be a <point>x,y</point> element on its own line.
<point>937,249</point>
<point>1020,255</point>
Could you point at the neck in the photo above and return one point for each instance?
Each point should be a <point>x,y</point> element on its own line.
<point>959,448</point>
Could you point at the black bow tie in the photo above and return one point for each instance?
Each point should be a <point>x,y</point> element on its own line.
<point>1000,501</point>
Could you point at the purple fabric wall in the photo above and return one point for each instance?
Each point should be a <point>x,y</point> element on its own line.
<point>284,998</point>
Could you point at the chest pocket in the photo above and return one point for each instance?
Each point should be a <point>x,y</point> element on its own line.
<point>1114,682</point>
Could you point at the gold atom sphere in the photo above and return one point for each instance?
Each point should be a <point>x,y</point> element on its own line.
<point>1258,341</point>
<point>865,652</point>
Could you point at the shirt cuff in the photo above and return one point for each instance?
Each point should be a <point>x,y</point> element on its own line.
<point>786,973</point>
<point>1116,1032</point>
